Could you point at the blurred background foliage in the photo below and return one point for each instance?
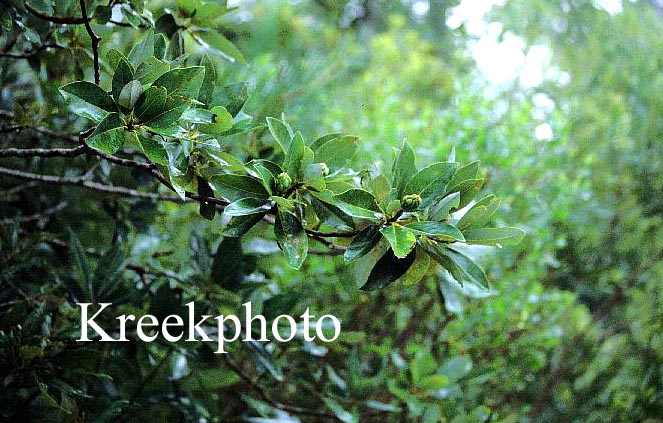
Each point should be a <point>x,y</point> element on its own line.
<point>561,101</point>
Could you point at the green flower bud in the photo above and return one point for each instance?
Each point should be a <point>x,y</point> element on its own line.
<point>282,182</point>
<point>325,169</point>
<point>411,202</point>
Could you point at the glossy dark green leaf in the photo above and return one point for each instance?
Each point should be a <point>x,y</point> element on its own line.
<point>206,92</point>
<point>439,230</point>
<point>402,170</point>
<point>129,95</point>
<point>235,187</point>
<point>150,70</point>
<point>124,73</point>
<point>142,50</point>
<point>292,238</point>
<point>440,210</point>
<point>469,171</point>
<point>166,115</point>
<point>185,82</point>
<point>388,270</point>
<point>336,152</point>
<point>280,132</point>
<point>402,241</point>
<point>232,97</point>
<point>480,213</point>
<point>363,243</point>
<point>153,149</point>
<point>206,209</point>
<point>91,94</point>
<point>294,157</point>
<point>108,135</point>
<point>240,225</point>
<point>222,121</point>
<point>246,206</point>
<point>430,182</point>
<point>461,267</point>
<point>218,44</point>
<point>494,236</point>
<point>151,104</point>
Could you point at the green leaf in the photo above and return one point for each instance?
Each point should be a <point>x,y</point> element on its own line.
<point>360,198</point>
<point>235,187</point>
<point>151,103</point>
<point>221,122</point>
<point>402,170</point>
<point>418,270</point>
<point>314,177</point>
<point>439,230</point>
<point>461,267</point>
<point>266,170</point>
<point>124,73</point>
<point>142,51</point>
<point>229,260</point>
<point>109,134</point>
<point>402,241</point>
<point>206,209</point>
<point>166,115</point>
<point>494,236</point>
<point>318,142</point>
<point>280,132</point>
<point>209,81</point>
<point>292,238</point>
<point>218,44</point>
<point>469,171</point>
<point>433,382</point>
<point>247,206</point>
<point>479,215</point>
<point>197,115</point>
<point>388,270</point>
<point>150,70</point>
<point>240,225</point>
<point>430,182</point>
<point>442,208</point>
<point>354,202</point>
<point>337,151</point>
<point>153,150</point>
<point>232,96</point>
<point>294,157</point>
<point>129,95</point>
<point>91,94</point>
<point>363,243</point>
<point>184,82</point>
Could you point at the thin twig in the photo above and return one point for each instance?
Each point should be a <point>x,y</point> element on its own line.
<point>83,182</point>
<point>43,152</point>
<point>63,20</point>
<point>94,38</point>
<point>37,216</point>
<point>28,54</point>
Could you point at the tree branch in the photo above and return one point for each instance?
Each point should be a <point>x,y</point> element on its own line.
<point>43,152</point>
<point>83,182</point>
<point>28,54</point>
<point>63,20</point>
<point>37,216</point>
<point>94,38</point>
